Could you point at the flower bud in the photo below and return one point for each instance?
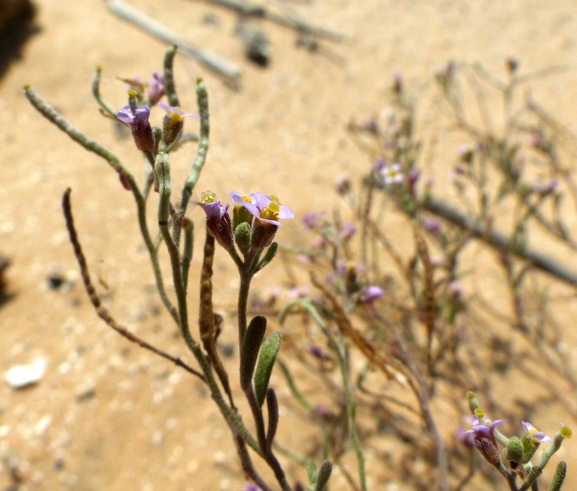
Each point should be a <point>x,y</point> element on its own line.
<point>242,235</point>
<point>217,219</point>
<point>514,452</point>
<point>489,450</point>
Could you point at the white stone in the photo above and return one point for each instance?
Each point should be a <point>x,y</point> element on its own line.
<point>20,376</point>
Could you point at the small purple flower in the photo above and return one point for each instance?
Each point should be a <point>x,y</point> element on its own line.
<point>379,165</point>
<point>264,208</point>
<point>457,289</point>
<point>456,172</point>
<point>155,89</point>
<point>217,219</point>
<point>267,212</point>
<point>371,125</point>
<point>175,112</point>
<point>318,352</point>
<point>314,221</point>
<point>173,122</point>
<point>140,126</point>
<point>545,189</point>
<point>398,83</point>
<point>251,487</point>
<point>433,225</point>
<point>482,435</point>
<point>392,174</point>
<point>537,436</point>
<point>371,293</point>
<point>348,231</point>
<point>300,291</point>
<point>484,430</point>
<point>343,185</point>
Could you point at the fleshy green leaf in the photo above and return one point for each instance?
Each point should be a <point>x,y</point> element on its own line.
<point>268,352</point>
<point>251,344</point>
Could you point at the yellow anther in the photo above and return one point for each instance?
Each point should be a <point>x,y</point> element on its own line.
<point>207,197</point>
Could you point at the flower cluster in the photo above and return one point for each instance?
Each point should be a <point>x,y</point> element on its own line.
<point>137,115</point>
<point>255,221</point>
<point>517,451</point>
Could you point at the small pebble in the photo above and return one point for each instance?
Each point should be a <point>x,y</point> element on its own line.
<point>20,376</point>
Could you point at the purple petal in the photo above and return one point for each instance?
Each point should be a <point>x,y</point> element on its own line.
<point>238,200</point>
<point>272,222</point>
<point>285,213</point>
<point>262,200</point>
<point>177,110</point>
<point>371,293</point>
<point>215,209</point>
<point>125,115</point>
<point>141,116</point>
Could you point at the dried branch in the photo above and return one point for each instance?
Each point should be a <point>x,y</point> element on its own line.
<point>151,26</point>
<point>100,310</point>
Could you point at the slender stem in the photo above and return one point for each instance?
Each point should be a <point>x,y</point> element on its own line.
<point>340,349</point>
<point>203,142</point>
<point>93,146</point>
<point>96,93</point>
<point>351,414</point>
<point>100,310</point>
<point>245,280</point>
<point>248,466</point>
<point>199,160</point>
<point>163,171</point>
<point>88,143</point>
<point>169,85</point>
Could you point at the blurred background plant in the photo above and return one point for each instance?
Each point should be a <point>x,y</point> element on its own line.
<point>396,328</point>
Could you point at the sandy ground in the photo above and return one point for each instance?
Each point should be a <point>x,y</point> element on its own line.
<point>106,415</point>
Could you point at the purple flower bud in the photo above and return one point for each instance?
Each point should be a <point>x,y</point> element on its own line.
<point>371,125</point>
<point>217,219</point>
<point>348,231</point>
<point>140,126</point>
<point>379,165</point>
<point>545,189</point>
<point>314,221</point>
<point>488,449</point>
<point>371,293</point>
<point>318,352</point>
<point>343,185</point>
<point>156,88</point>
<point>300,291</point>
<point>433,225</point>
<point>398,83</point>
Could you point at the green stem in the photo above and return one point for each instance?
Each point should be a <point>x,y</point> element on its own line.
<point>93,146</point>
<point>243,291</point>
<point>96,93</point>
<point>88,143</point>
<point>201,153</point>
<point>340,350</point>
<point>169,85</point>
<point>163,172</point>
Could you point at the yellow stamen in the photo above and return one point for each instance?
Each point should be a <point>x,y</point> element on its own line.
<point>207,197</point>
